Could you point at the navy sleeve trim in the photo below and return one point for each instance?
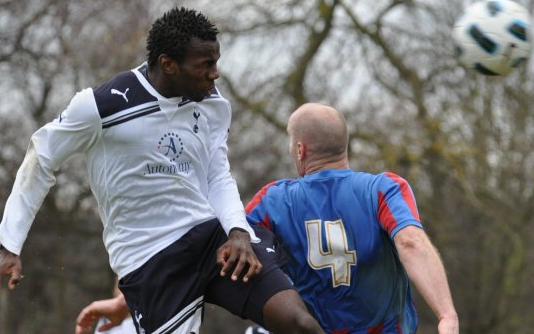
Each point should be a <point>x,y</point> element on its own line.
<point>122,92</point>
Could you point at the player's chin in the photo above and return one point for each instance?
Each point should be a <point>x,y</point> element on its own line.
<point>196,98</point>
<point>199,97</point>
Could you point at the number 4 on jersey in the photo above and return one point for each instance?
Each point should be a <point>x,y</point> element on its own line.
<point>338,257</point>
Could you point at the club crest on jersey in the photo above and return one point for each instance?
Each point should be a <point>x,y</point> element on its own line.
<point>196,115</point>
<point>171,145</point>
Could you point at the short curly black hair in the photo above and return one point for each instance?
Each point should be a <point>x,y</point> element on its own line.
<point>172,32</point>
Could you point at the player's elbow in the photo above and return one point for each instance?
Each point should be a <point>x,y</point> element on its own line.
<point>411,239</point>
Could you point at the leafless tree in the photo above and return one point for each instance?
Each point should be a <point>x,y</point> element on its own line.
<point>461,139</point>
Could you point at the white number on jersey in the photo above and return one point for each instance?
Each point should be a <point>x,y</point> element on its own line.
<point>338,257</point>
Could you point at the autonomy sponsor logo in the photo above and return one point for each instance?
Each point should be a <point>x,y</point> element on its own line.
<point>171,169</point>
<point>171,145</point>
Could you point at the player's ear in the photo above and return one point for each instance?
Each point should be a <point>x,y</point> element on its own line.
<point>167,64</point>
<point>301,151</point>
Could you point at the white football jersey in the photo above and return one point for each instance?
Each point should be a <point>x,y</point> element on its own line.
<point>157,167</point>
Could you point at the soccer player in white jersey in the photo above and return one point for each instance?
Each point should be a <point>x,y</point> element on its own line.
<point>155,141</point>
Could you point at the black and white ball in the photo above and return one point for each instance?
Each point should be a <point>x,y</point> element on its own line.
<point>493,36</point>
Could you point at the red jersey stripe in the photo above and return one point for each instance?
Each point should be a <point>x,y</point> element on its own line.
<point>399,328</point>
<point>341,331</point>
<point>376,330</point>
<point>406,193</point>
<point>256,200</point>
<point>385,216</point>
<point>267,222</point>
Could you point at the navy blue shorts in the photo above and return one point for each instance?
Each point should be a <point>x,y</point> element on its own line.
<point>167,293</point>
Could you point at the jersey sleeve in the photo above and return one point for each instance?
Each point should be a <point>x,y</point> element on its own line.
<point>223,194</point>
<point>397,208</point>
<point>74,131</point>
<point>256,209</point>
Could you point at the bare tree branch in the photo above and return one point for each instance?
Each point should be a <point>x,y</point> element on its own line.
<point>295,80</point>
<point>21,33</point>
<point>258,108</point>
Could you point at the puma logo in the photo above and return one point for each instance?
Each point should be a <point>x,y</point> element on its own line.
<point>118,92</point>
<point>270,250</point>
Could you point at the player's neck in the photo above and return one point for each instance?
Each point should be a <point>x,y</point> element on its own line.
<point>319,165</point>
<point>159,82</point>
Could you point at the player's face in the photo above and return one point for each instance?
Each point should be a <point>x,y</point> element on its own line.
<point>197,73</point>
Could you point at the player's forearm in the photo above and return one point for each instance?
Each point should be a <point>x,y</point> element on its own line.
<point>224,198</point>
<point>223,194</point>
<point>120,301</point>
<point>31,186</point>
<point>425,269</point>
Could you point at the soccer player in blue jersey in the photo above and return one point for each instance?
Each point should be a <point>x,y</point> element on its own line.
<point>353,240</point>
<point>155,142</point>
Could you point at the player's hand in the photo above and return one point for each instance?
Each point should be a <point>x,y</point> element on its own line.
<point>449,325</point>
<point>237,254</point>
<point>10,265</point>
<point>115,310</point>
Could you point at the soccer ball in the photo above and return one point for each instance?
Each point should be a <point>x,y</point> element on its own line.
<point>493,36</point>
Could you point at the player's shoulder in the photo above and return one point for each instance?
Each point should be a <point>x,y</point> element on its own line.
<point>392,177</point>
<point>82,99</point>
<point>218,103</point>
<point>216,95</point>
<point>388,181</point>
<point>81,108</point>
<point>283,183</point>
<point>276,187</point>
<point>267,193</point>
<point>123,91</point>
<point>364,183</point>
<point>368,176</point>
<point>217,111</point>
<point>348,176</point>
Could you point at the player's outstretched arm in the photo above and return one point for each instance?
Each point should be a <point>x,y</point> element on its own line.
<point>74,131</point>
<point>114,309</point>
<point>425,269</point>
<point>10,265</point>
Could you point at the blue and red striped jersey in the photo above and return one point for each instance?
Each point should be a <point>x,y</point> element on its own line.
<point>337,228</point>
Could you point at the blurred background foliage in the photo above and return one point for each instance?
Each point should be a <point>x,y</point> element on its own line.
<point>463,141</point>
